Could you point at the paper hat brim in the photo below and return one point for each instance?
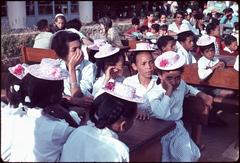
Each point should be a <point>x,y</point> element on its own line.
<point>202,42</point>
<point>35,71</point>
<point>136,99</point>
<point>179,63</point>
<point>100,54</point>
<point>93,47</point>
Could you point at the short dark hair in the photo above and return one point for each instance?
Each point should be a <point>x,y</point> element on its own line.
<point>179,13</point>
<point>74,23</point>
<point>163,41</point>
<point>229,39</point>
<point>163,27</point>
<point>42,24</point>
<point>107,109</point>
<point>198,15</point>
<point>227,10</point>
<point>135,21</point>
<point>211,26</point>
<point>155,26</point>
<point>132,58</point>
<point>60,42</point>
<point>143,28</point>
<point>181,37</point>
<point>210,46</point>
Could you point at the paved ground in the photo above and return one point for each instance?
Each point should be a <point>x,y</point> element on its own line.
<point>222,143</point>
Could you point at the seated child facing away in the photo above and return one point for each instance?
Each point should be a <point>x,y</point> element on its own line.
<point>110,62</point>
<point>43,39</point>
<point>167,103</point>
<point>36,125</point>
<point>98,140</point>
<point>230,45</point>
<point>208,62</point>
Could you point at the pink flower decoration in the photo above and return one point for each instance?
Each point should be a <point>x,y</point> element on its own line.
<point>18,69</point>
<point>56,72</point>
<point>110,85</point>
<point>163,63</point>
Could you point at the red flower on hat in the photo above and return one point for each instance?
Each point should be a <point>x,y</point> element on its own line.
<point>110,85</point>
<point>164,62</point>
<point>18,69</point>
<point>56,72</point>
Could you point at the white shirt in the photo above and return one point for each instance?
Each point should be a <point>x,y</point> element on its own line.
<point>98,85</point>
<point>169,108</point>
<point>204,65</point>
<point>85,72</point>
<point>236,64</point>
<point>228,50</point>
<point>173,27</point>
<point>36,137</point>
<point>189,58</point>
<point>88,143</point>
<point>43,40</point>
<point>141,90</point>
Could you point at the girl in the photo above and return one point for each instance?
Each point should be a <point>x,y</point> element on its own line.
<point>111,34</point>
<point>110,62</point>
<point>98,140</point>
<point>166,102</point>
<point>59,23</point>
<point>144,80</point>
<point>78,86</point>
<point>37,125</point>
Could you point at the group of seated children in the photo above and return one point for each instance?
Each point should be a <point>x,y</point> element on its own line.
<point>51,100</point>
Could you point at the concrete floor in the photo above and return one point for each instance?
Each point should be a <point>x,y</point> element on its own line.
<point>222,143</point>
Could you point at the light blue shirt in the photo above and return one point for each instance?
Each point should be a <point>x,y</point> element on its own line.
<point>86,74</point>
<point>229,23</point>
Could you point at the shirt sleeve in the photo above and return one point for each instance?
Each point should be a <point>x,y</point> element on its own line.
<point>203,72</point>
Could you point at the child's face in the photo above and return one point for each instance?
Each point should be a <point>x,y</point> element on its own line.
<point>144,64</point>
<point>153,31</point>
<point>179,19</point>
<point>163,19</point>
<point>172,77</point>
<point>171,46</point>
<point>119,67</point>
<point>188,43</point>
<point>216,31</point>
<point>60,23</point>
<point>74,51</point>
<point>233,46</point>
<point>150,17</point>
<point>209,53</point>
<point>162,32</point>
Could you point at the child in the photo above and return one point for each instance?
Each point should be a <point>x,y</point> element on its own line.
<point>208,62</point>
<point>98,140</point>
<point>110,62</point>
<point>142,61</point>
<point>166,43</point>
<point>166,103</point>
<point>134,29</point>
<point>59,23</point>
<point>230,45</point>
<point>185,42</point>
<point>163,30</point>
<point>78,86</point>
<point>42,40</point>
<point>37,125</point>
<point>213,29</point>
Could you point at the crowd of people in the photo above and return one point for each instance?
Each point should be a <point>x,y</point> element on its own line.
<point>48,102</point>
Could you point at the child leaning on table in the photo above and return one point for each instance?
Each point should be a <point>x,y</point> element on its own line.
<point>167,103</point>
<point>208,62</point>
<point>98,141</point>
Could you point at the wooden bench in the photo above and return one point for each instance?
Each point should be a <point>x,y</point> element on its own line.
<point>35,55</point>
<point>221,78</point>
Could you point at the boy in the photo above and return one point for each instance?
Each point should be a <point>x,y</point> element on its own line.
<point>230,45</point>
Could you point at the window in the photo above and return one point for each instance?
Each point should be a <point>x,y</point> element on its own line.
<point>61,7</point>
<point>45,7</point>
<point>4,8</point>
<point>30,7</point>
<point>74,6</point>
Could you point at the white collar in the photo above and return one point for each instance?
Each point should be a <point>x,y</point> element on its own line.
<point>228,50</point>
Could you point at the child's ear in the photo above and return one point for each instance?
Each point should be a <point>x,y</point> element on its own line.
<point>134,66</point>
<point>123,126</point>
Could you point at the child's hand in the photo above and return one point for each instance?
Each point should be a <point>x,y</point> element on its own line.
<point>75,59</point>
<point>207,99</point>
<point>167,86</point>
<point>221,64</point>
<point>86,101</point>
<point>109,73</point>
<point>142,115</point>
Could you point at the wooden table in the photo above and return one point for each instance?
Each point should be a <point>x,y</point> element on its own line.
<point>228,59</point>
<point>143,139</point>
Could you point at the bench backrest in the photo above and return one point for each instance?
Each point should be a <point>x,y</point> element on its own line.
<point>221,78</point>
<point>35,55</point>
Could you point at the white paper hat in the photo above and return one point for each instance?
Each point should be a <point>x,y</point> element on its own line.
<point>106,50</point>
<point>96,44</point>
<point>59,15</point>
<point>169,60</point>
<point>143,46</point>
<point>48,69</point>
<point>123,91</point>
<point>205,40</point>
